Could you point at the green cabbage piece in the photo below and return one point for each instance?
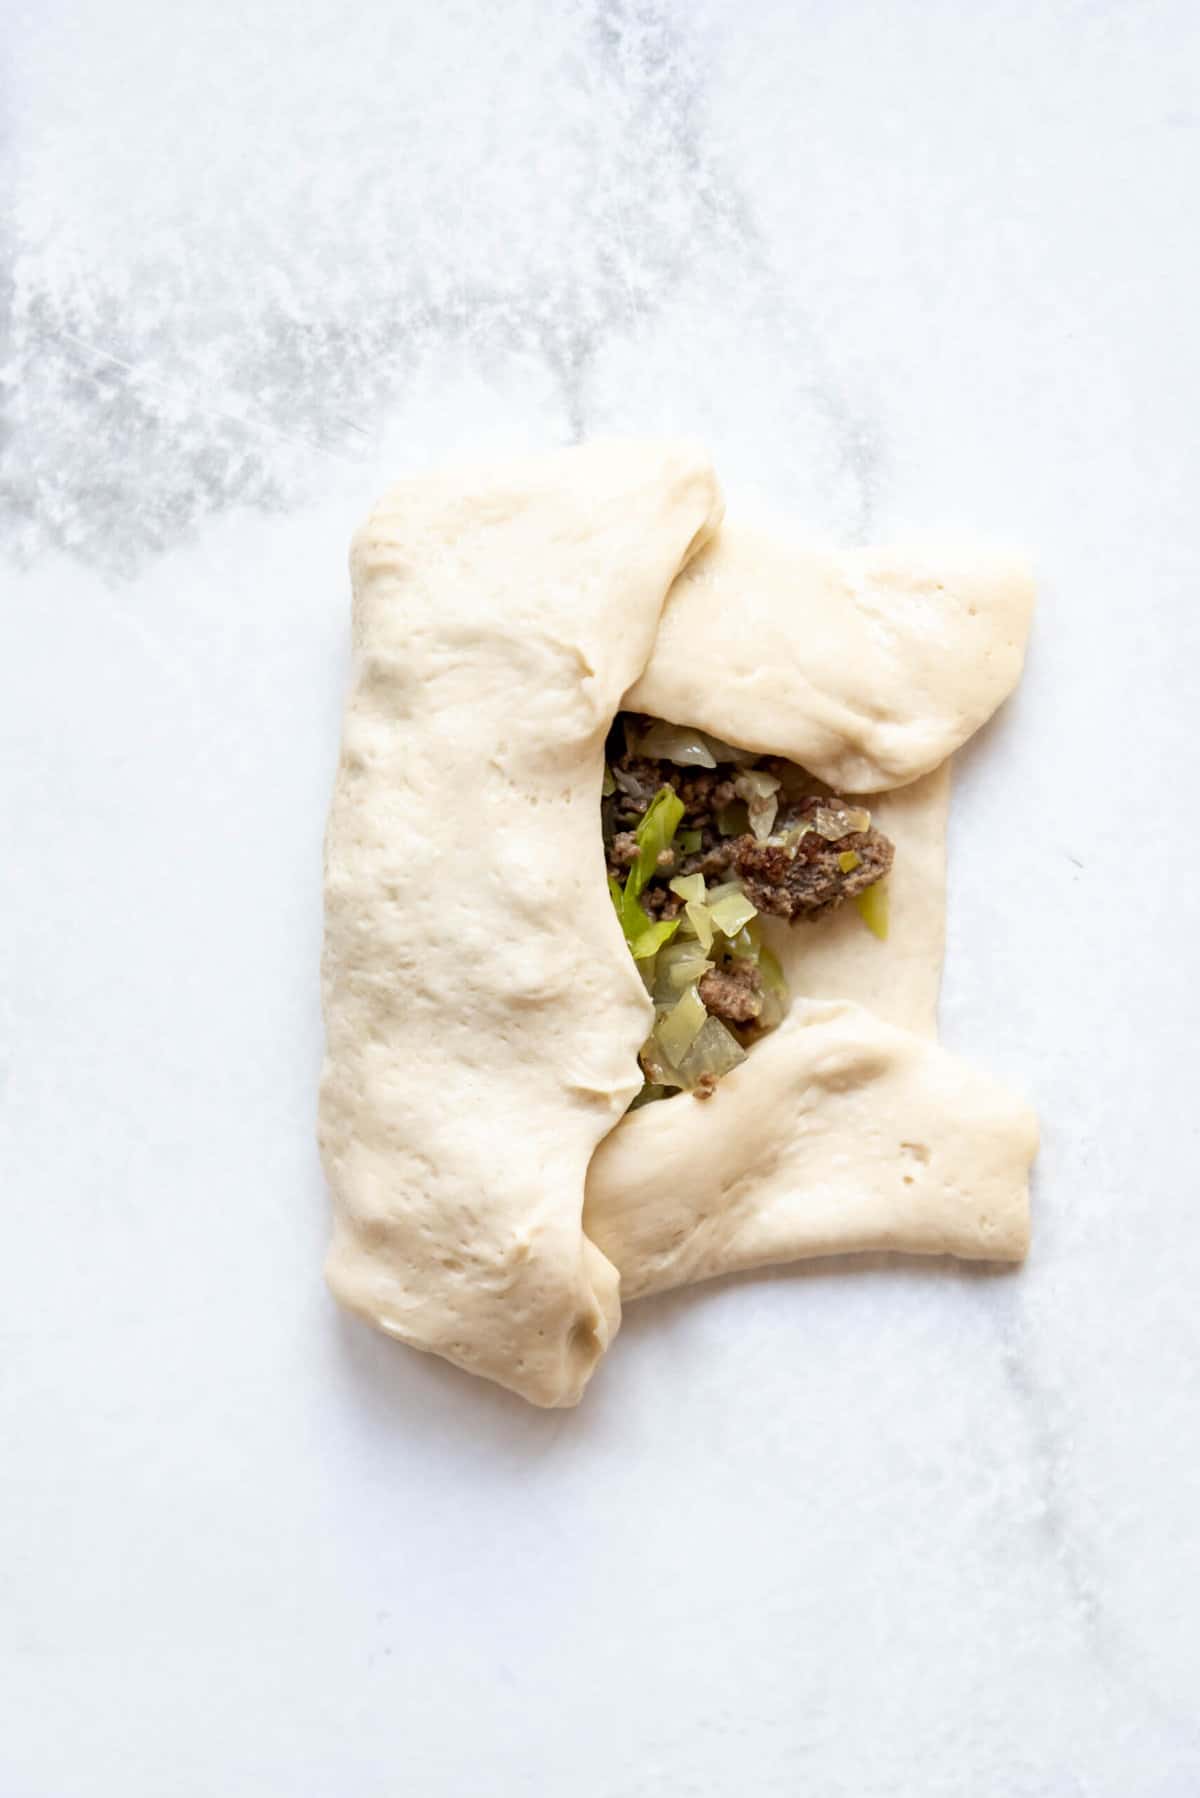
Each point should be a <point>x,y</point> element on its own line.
<point>656,831</point>
<point>653,937</point>
<point>873,909</point>
<point>654,834</point>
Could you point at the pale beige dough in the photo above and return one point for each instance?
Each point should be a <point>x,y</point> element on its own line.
<point>483,1015</point>
<point>839,1133</point>
<point>897,979</point>
<point>867,666</point>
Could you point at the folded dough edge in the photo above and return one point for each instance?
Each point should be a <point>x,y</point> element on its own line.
<point>482,1012</point>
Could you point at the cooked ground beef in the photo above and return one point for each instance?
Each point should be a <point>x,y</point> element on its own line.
<point>812,882</point>
<point>734,992</point>
<point>805,884</point>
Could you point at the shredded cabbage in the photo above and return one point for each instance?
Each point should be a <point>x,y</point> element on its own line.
<point>717,926</point>
<point>654,833</point>
<point>873,907</point>
<point>635,919</point>
<point>792,837</point>
<point>651,940</point>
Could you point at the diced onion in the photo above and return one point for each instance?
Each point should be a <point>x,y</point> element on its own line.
<point>755,783</point>
<point>700,919</point>
<point>729,915</point>
<point>725,752</point>
<point>746,944</point>
<point>759,790</point>
<point>655,1065</point>
<point>676,1032</point>
<point>835,821</point>
<point>733,820</point>
<point>685,970</point>
<point>713,1051</point>
<point>688,886</point>
<point>683,973</point>
<point>762,819</point>
<point>674,743</point>
<point>690,841</point>
<point>771,971</point>
<point>775,990</point>
<point>773,1011</point>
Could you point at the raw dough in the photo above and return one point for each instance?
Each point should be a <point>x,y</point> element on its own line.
<point>483,1014</point>
<point>867,666</point>
<point>897,979</point>
<point>839,1133</point>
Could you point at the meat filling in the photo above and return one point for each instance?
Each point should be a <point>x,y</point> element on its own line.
<point>795,873</point>
<point>697,857</point>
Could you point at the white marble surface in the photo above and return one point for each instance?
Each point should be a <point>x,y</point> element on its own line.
<point>855,1531</point>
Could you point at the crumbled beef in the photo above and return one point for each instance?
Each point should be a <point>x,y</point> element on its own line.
<point>793,874</point>
<point>733,992</point>
<point>660,901</point>
<point>808,881</point>
<point>802,880</point>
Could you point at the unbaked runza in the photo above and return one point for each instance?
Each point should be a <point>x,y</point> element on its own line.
<point>494,1201</point>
